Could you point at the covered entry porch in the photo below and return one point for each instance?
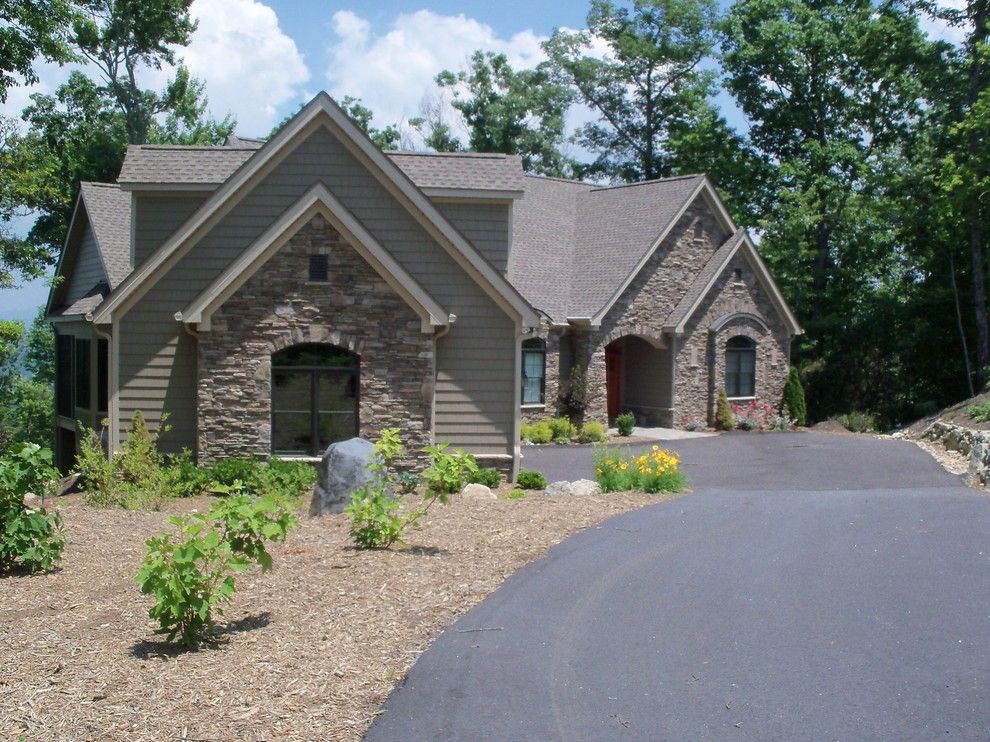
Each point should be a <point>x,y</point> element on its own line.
<point>639,379</point>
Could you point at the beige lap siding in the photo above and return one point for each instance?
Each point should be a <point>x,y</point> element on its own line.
<point>701,352</point>
<point>277,308</point>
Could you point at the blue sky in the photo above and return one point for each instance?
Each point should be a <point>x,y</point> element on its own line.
<point>260,59</point>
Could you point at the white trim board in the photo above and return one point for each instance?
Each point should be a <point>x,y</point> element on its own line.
<point>321,111</point>
<point>317,200</point>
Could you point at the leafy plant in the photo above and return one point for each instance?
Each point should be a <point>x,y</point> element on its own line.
<point>448,471</point>
<point>625,423</point>
<point>857,422</point>
<point>573,395</point>
<point>562,428</point>
<point>30,539</point>
<point>191,573</point>
<point>183,478</point>
<point>653,472</point>
<point>406,482</point>
<point>539,432</point>
<point>376,520</point>
<point>489,477</point>
<point>561,441</point>
<point>724,419</point>
<point>227,471</point>
<point>980,412</point>
<point>792,402</point>
<point>516,494</point>
<point>528,479</point>
<point>592,432</point>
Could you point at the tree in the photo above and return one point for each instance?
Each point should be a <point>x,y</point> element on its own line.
<point>432,125</point>
<point>648,85</point>
<point>39,350</point>
<point>122,38</point>
<point>513,112</point>
<point>836,93</point>
<point>385,139</point>
<point>29,30</point>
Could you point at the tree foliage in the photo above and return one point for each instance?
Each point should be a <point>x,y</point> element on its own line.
<point>514,112</point>
<point>31,30</point>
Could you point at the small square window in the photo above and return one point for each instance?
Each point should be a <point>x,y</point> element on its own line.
<point>318,271</point>
<point>737,274</point>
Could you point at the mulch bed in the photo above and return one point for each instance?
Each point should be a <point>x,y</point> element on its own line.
<point>308,651</point>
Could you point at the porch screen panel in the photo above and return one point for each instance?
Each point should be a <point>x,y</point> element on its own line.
<point>63,375</point>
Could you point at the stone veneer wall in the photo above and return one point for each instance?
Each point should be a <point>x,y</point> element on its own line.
<point>700,361</point>
<point>550,407</point>
<point>276,308</point>
<point>651,296</point>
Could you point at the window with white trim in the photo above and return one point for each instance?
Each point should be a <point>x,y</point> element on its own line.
<point>534,363</point>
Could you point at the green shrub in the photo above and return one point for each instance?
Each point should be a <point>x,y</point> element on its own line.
<point>489,477</point>
<point>531,480</point>
<point>625,423</point>
<point>31,539</point>
<point>448,471</point>
<point>283,479</point>
<point>724,419</point>
<point>183,478</point>
<point>792,403</point>
<point>592,432</point>
<point>376,520</point>
<point>406,482</point>
<point>655,471</point>
<point>573,395</point>
<point>561,427</point>
<point>980,412</point>
<point>561,441</point>
<point>540,432</point>
<point>514,495</point>
<point>191,573</point>
<point>857,422</point>
<point>227,472</point>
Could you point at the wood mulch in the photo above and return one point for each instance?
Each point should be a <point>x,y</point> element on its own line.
<point>307,651</point>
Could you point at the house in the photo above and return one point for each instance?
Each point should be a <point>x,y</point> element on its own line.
<point>272,297</point>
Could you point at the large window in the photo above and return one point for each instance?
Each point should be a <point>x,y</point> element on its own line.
<point>63,375</point>
<point>83,364</point>
<point>534,362</point>
<point>314,398</point>
<point>740,367</point>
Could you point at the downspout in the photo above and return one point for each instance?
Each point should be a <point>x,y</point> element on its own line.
<point>437,336</point>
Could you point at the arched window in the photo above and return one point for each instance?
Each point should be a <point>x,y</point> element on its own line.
<point>740,367</point>
<point>534,363</point>
<point>314,398</point>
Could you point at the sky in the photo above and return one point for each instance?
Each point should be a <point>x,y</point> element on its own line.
<point>261,59</point>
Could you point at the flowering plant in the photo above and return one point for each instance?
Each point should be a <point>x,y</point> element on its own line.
<point>756,416</point>
<point>655,471</point>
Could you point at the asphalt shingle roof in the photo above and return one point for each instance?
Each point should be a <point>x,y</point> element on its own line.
<point>189,165</point>
<point>109,210</point>
<point>574,244</point>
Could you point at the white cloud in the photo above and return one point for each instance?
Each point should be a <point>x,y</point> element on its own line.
<point>938,29</point>
<point>392,71</point>
<point>250,66</point>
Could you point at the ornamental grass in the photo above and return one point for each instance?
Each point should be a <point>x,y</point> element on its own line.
<point>655,471</point>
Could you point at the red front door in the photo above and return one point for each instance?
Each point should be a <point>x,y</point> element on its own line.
<point>613,380</point>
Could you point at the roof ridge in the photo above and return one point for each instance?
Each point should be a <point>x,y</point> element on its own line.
<point>195,147</point>
<point>476,155</point>
<point>99,184</point>
<point>654,181</point>
<point>569,181</point>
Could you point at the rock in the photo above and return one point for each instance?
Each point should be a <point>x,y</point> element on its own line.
<point>585,487</point>
<point>477,492</point>
<point>558,489</point>
<point>344,468</point>
<point>31,500</point>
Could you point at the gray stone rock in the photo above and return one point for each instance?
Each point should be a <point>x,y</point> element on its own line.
<point>344,468</point>
<point>477,492</point>
<point>558,489</point>
<point>585,487</point>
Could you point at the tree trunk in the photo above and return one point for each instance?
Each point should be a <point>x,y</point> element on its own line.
<point>959,324</point>
<point>977,81</point>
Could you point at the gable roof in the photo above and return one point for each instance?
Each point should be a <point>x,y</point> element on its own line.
<point>317,200</point>
<point>147,166</point>
<point>577,246</point>
<point>321,111</point>
<point>705,280</point>
<point>107,209</point>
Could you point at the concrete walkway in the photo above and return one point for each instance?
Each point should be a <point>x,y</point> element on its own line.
<point>665,434</point>
<point>813,587</point>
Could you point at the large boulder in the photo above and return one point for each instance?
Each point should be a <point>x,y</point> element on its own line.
<point>585,487</point>
<point>558,489</point>
<point>344,468</point>
<point>475,491</point>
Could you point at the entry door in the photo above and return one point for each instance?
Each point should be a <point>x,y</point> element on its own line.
<point>613,380</point>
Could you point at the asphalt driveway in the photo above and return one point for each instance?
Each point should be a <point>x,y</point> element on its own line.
<point>813,587</point>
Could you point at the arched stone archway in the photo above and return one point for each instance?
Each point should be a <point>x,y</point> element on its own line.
<point>638,376</point>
